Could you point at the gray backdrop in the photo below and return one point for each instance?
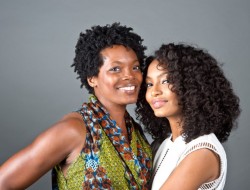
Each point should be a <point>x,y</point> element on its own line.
<point>37,40</point>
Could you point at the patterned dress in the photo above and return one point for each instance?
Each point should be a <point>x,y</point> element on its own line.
<point>108,160</point>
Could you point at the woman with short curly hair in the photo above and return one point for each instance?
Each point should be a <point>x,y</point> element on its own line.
<point>189,109</point>
<point>99,146</point>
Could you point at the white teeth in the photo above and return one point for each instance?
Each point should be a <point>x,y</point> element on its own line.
<point>128,88</point>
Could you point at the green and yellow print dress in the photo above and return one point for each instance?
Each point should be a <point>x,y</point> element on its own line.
<point>108,160</point>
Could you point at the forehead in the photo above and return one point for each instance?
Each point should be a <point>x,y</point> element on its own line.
<point>117,51</point>
<point>156,67</point>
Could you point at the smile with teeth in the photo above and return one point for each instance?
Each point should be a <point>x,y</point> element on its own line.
<point>127,88</point>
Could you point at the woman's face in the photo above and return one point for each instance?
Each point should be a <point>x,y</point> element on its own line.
<point>119,78</point>
<point>162,100</point>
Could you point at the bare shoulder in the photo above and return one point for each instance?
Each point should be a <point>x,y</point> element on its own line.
<point>65,138</point>
<point>71,132</point>
<point>73,121</point>
<point>67,135</point>
<point>71,126</point>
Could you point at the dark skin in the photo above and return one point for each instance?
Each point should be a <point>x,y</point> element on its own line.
<point>121,77</point>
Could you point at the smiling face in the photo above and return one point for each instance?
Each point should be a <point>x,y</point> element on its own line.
<point>119,78</point>
<point>162,100</point>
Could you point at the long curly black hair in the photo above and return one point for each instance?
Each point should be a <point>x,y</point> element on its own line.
<point>88,60</point>
<point>206,97</point>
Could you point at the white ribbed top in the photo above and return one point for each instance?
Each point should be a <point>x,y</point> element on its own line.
<point>178,150</point>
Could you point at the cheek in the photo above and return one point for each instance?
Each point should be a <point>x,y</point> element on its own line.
<point>139,77</point>
<point>147,96</point>
<point>174,102</point>
<point>109,80</point>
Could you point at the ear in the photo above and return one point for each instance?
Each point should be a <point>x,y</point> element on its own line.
<point>92,81</point>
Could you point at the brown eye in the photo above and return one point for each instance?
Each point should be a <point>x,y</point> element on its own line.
<point>165,81</point>
<point>115,69</point>
<point>138,68</point>
<point>148,84</point>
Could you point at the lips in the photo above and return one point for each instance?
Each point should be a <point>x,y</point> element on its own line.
<point>127,88</point>
<point>156,104</point>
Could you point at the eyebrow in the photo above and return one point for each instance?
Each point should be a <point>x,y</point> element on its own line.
<point>162,74</point>
<point>119,62</point>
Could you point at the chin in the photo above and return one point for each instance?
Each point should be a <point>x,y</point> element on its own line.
<point>131,101</point>
<point>159,114</point>
<point>131,98</point>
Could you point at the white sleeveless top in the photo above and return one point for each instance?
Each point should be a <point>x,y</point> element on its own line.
<point>176,151</point>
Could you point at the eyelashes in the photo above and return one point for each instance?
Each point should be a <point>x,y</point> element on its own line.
<point>118,69</point>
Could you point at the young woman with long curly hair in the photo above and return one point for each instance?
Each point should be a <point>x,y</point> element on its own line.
<point>188,106</point>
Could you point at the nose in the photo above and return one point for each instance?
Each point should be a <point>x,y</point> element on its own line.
<point>128,75</point>
<point>155,91</point>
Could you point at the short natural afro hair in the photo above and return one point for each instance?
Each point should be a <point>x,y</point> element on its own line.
<point>205,96</point>
<point>88,60</point>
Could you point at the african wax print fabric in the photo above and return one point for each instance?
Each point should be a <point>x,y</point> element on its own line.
<point>99,166</point>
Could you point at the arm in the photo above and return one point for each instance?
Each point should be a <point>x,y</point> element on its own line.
<point>47,150</point>
<point>200,166</point>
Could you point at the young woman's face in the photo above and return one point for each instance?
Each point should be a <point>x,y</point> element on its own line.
<point>119,78</point>
<point>162,100</point>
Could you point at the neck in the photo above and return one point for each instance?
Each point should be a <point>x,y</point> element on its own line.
<point>118,116</point>
<point>176,128</point>
<point>117,112</point>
